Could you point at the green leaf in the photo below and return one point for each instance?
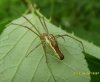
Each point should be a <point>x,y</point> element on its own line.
<point>16,42</point>
<point>94,66</point>
<point>3,23</point>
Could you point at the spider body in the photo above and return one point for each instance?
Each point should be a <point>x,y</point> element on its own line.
<point>52,42</point>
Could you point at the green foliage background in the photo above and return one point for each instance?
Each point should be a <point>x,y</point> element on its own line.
<point>80,17</point>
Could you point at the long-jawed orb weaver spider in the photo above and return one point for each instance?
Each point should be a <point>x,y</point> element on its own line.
<point>48,38</point>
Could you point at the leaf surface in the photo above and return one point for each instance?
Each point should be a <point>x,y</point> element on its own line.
<point>16,42</point>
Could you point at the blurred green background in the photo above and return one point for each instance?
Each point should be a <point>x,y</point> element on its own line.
<point>79,16</point>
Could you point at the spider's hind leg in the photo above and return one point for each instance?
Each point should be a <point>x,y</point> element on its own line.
<point>58,36</point>
<point>44,47</point>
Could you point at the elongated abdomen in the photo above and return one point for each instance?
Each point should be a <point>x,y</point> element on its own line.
<point>54,45</point>
<point>58,52</point>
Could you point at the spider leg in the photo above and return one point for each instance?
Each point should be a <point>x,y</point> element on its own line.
<point>26,28</point>
<point>57,36</point>
<point>44,47</point>
<point>33,49</point>
<point>74,39</point>
<point>32,24</point>
<point>42,20</point>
